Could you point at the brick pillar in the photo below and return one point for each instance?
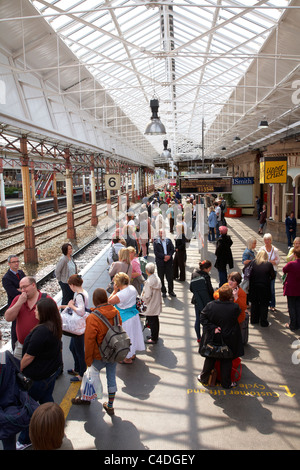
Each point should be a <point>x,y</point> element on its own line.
<point>30,252</point>
<point>71,232</point>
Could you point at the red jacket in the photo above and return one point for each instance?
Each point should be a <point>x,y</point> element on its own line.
<point>292,283</point>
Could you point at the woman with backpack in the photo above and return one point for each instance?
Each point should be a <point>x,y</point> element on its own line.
<point>94,334</point>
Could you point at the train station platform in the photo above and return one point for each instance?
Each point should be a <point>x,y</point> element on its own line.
<point>161,406</point>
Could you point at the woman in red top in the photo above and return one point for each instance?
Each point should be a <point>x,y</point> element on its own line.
<point>291,290</point>
<point>240,296</point>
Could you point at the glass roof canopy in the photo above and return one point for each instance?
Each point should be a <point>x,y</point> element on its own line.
<point>189,54</point>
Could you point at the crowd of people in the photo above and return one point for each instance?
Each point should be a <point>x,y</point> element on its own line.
<point>224,313</point>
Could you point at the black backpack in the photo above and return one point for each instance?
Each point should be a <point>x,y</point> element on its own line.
<point>116,343</point>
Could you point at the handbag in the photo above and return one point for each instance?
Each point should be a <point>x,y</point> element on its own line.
<point>140,305</point>
<point>72,323</point>
<point>110,287</point>
<point>25,383</point>
<point>91,385</point>
<point>216,351</point>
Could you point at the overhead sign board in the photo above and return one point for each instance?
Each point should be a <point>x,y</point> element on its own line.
<point>273,170</point>
<point>205,185</point>
<point>112,182</point>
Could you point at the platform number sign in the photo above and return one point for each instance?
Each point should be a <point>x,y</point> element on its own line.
<point>112,182</point>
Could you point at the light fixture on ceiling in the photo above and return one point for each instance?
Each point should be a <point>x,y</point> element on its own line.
<point>236,139</point>
<point>263,124</point>
<point>223,149</point>
<point>155,126</point>
<point>166,153</point>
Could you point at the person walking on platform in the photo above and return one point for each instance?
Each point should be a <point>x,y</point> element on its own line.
<point>290,228</point>
<point>78,304</point>
<point>123,265</point>
<point>291,290</point>
<point>240,298</point>
<point>261,276</point>
<point>218,212</point>
<point>65,268</point>
<point>273,257</point>
<point>124,299</point>
<point>262,219</point>
<point>11,284</point>
<point>212,224</point>
<point>42,356</point>
<point>202,290</point>
<point>223,255</point>
<point>180,254</point>
<point>220,323</point>
<point>152,297</point>
<point>249,252</point>
<point>163,251</point>
<point>22,309</point>
<point>296,245</point>
<point>94,334</point>
<point>137,279</point>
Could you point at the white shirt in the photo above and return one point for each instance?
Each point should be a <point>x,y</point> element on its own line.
<point>127,297</point>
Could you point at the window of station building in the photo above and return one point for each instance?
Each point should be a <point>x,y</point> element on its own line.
<point>288,199</point>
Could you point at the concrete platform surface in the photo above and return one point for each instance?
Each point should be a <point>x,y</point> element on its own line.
<point>161,406</point>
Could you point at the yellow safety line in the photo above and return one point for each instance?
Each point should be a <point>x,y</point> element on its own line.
<point>71,393</point>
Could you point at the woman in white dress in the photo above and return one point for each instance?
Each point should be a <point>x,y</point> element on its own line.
<point>124,299</point>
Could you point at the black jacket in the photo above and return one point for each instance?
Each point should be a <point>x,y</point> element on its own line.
<point>225,315</point>
<point>202,289</point>
<point>159,251</point>
<point>260,281</point>
<point>223,253</point>
<point>10,283</point>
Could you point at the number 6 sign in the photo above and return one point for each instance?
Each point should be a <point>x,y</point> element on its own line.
<point>112,182</point>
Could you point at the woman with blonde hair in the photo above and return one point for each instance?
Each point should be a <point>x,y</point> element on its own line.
<point>124,299</point>
<point>291,256</point>
<point>123,265</point>
<point>261,276</point>
<point>274,259</point>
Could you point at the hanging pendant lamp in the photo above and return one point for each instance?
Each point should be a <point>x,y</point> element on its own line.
<point>155,126</point>
<point>263,124</point>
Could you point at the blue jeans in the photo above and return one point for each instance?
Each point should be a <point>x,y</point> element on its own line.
<point>222,277</point>
<point>272,301</point>
<point>197,323</point>
<point>110,369</point>
<point>77,349</point>
<point>41,391</point>
<point>211,234</point>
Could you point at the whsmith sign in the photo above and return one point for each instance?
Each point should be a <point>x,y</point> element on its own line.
<point>273,170</point>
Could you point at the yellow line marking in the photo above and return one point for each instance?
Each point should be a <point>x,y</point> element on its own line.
<point>71,393</point>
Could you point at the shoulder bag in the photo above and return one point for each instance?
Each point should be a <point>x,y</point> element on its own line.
<point>216,351</point>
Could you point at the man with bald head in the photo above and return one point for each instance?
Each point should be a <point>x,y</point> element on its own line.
<point>22,310</point>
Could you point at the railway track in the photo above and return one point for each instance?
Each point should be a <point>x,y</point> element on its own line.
<point>82,215</point>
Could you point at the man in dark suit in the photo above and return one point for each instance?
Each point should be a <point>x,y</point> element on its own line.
<point>163,251</point>
<point>10,282</point>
